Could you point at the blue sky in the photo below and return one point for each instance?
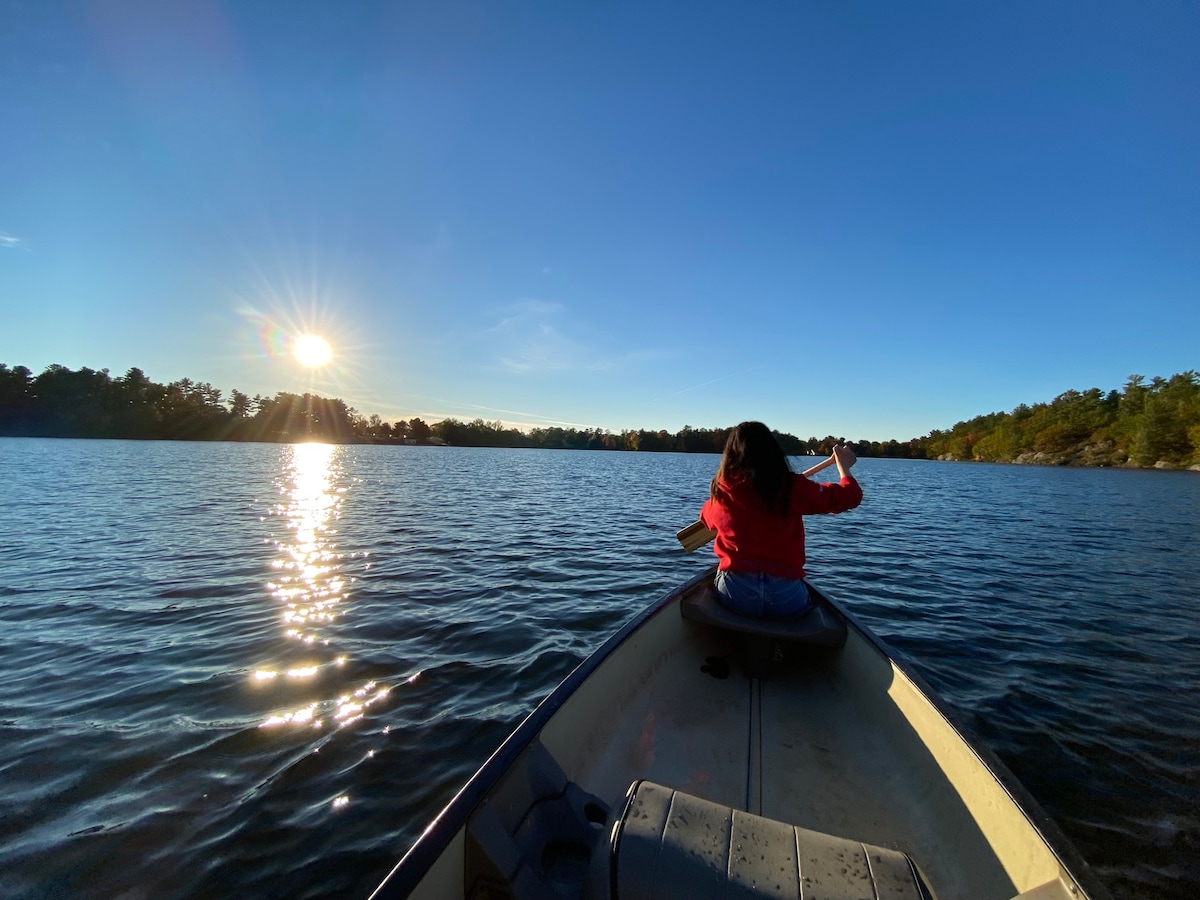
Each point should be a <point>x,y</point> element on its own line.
<point>865,219</point>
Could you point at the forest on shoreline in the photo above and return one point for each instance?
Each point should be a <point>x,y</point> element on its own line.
<point>1146,424</point>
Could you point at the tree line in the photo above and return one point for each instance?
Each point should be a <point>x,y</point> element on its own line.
<point>85,403</point>
<point>1145,424</point>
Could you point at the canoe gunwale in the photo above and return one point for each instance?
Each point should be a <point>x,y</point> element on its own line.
<point>1049,831</point>
<point>414,865</point>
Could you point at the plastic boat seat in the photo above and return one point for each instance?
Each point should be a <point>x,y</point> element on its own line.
<point>819,626</point>
<point>670,844</point>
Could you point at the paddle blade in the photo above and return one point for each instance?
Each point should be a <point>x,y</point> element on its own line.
<point>695,536</point>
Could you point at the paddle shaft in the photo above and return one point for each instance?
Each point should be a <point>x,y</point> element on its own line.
<point>825,464</point>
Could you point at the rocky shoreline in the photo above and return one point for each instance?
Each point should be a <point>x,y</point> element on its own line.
<point>1104,455</point>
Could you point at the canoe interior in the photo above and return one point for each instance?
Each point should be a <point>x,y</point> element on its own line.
<point>841,741</point>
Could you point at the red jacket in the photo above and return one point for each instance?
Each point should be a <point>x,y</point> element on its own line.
<point>750,538</point>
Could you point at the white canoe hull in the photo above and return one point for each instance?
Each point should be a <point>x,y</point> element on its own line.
<point>849,742</point>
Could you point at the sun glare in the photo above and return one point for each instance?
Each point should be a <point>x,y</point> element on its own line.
<point>312,351</point>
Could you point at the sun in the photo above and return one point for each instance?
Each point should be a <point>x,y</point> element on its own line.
<point>312,351</point>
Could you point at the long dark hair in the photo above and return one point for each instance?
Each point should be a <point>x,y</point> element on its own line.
<point>752,452</point>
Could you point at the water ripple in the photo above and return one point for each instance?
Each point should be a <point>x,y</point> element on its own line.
<point>259,670</point>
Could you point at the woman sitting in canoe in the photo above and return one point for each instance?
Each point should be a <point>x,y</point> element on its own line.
<point>756,506</point>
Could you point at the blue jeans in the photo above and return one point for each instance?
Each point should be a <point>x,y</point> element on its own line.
<point>762,596</point>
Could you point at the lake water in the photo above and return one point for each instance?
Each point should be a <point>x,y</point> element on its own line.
<point>257,670</point>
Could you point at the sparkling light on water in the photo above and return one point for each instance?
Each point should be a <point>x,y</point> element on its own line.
<point>311,588</point>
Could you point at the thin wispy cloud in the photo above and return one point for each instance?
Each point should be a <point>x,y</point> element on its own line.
<point>528,338</point>
<point>537,337</point>
<point>523,418</point>
<point>12,242</point>
<point>693,387</point>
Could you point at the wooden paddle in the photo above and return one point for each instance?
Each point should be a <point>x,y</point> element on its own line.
<point>696,535</point>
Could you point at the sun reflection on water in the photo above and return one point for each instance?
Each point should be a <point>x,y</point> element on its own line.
<point>310,584</point>
<point>311,590</point>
